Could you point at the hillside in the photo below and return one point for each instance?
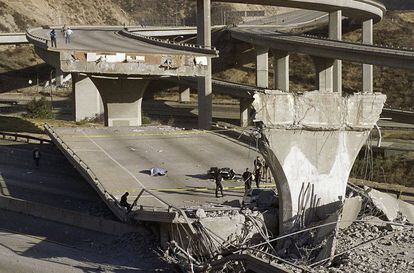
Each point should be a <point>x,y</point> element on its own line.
<point>398,4</point>
<point>17,15</point>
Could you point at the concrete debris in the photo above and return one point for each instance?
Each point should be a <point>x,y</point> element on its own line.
<point>392,207</point>
<point>200,213</point>
<point>350,211</point>
<point>360,242</point>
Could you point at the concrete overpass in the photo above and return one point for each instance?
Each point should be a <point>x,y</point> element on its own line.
<point>100,58</point>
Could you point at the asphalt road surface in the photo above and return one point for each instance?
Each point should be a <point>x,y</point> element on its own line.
<point>106,41</point>
<point>122,157</point>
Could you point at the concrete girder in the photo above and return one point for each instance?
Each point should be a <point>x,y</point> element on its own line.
<point>310,142</point>
<point>245,109</point>
<point>205,89</point>
<point>86,100</point>
<point>358,10</point>
<point>122,99</point>
<point>262,67</point>
<point>335,33</point>
<point>281,70</point>
<point>184,93</point>
<point>324,74</point>
<point>352,52</point>
<point>367,69</point>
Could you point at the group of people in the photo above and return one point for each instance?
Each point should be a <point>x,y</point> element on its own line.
<point>67,33</point>
<point>261,169</point>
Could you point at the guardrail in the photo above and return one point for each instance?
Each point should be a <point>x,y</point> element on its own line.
<point>37,41</point>
<point>23,138</point>
<point>170,44</point>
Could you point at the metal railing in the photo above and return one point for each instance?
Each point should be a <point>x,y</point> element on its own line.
<point>38,41</point>
<point>170,44</point>
<point>23,138</point>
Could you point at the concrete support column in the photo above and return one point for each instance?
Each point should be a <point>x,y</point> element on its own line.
<point>324,71</point>
<point>367,69</point>
<point>262,67</point>
<point>122,99</point>
<point>245,108</point>
<point>58,76</point>
<point>311,163</point>
<point>205,99</point>
<point>86,100</point>
<point>281,70</point>
<point>335,33</point>
<point>184,94</point>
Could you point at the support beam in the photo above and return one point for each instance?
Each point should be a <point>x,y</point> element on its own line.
<point>324,71</point>
<point>281,70</point>
<point>335,33</point>
<point>367,69</point>
<point>122,99</point>
<point>86,100</point>
<point>184,94</point>
<point>58,77</point>
<point>205,100</point>
<point>245,109</point>
<point>262,67</point>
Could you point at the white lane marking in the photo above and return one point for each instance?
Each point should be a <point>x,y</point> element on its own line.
<point>113,159</point>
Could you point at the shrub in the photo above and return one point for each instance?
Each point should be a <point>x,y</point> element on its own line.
<point>40,108</point>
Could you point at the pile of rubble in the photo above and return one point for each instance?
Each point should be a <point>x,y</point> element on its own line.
<point>376,234</point>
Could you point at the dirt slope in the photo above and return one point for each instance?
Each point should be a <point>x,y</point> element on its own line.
<point>16,15</point>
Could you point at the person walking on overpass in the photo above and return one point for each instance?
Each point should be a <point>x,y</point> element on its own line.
<point>68,35</point>
<point>219,185</point>
<point>258,164</point>
<point>124,201</point>
<point>247,177</point>
<point>53,38</point>
<point>36,157</point>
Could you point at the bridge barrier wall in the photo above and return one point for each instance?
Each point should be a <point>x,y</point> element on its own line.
<point>65,216</point>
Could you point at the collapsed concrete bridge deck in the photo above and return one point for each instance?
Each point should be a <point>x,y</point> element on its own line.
<point>117,160</point>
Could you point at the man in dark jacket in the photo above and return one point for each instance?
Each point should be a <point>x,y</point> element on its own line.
<point>247,179</point>
<point>258,164</point>
<point>53,38</point>
<point>219,186</point>
<point>36,156</point>
<point>124,201</point>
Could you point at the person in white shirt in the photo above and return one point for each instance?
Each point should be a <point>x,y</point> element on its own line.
<point>68,35</point>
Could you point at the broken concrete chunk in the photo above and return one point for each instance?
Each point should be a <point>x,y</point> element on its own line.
<point>391,206</point>
<point>200,213</point>
<point>350,211</point>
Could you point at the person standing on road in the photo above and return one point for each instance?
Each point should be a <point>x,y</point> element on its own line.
<point>36,157</point>
<point>124,201</point>
<point>53,38</point>
<point>68,35</point>
<point>247,179</point>
<point>258,164</point>
<point>219,185</point>
<point>266,173</point>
